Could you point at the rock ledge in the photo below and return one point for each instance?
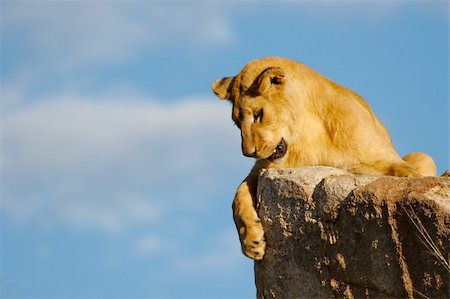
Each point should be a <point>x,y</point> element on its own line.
<point>330,233</point>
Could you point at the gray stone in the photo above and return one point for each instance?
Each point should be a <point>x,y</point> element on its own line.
<point>330,233</point>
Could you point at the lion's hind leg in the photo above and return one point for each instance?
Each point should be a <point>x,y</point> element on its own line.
<point>423,163</point>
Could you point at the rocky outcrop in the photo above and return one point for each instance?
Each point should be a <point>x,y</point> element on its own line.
<point>330,233</point>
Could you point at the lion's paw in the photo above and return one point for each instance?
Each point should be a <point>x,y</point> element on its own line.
<point>253,243</point>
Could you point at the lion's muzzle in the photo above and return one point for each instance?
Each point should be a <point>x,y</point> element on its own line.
<point>279,151</point>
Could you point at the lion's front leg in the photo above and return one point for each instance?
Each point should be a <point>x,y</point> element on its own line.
<point>248,224</point>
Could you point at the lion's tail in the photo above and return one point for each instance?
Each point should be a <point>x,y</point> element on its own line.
<point>423,163</point>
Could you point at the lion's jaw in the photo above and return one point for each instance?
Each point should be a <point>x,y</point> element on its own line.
<point>279,151</point>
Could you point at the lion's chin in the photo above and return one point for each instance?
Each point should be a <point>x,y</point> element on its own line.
<point>279,151</point>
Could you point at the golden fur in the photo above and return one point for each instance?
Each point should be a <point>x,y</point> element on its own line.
<point>291,116</point>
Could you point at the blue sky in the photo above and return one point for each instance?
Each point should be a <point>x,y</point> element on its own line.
<point>118,165</point>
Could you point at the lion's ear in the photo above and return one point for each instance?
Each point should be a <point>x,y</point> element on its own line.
<point>270,77</point>
<point>222,87</point>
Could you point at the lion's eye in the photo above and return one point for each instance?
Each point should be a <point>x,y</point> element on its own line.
<point>257,117</point>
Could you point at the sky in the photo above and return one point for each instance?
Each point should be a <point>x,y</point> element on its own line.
<point>119,165</point>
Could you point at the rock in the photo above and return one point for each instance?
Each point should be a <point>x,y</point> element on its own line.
<point>330,233</point>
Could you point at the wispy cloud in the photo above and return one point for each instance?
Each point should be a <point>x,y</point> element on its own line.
<point>75,34</point>
<point>149,245</point>
<point>108,165</point>
<point>222,255</point>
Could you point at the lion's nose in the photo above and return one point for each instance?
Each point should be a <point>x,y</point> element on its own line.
<point>250,155</point>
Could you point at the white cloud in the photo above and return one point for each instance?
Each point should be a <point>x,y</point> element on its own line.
<point>66,130</point>
<point>113,215</point>
<point>107,164</point>
<point>12,91</point>
<point>70,33</point>
<point>222,256</point>
<point>76,34</point>
<point>147,245</point>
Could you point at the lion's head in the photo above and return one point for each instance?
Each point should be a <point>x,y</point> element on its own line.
<point>262,106</point>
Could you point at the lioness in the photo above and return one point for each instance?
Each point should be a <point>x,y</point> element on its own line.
<point>291,116</point>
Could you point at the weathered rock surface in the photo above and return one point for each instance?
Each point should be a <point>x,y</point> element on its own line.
<point>330,233</point>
